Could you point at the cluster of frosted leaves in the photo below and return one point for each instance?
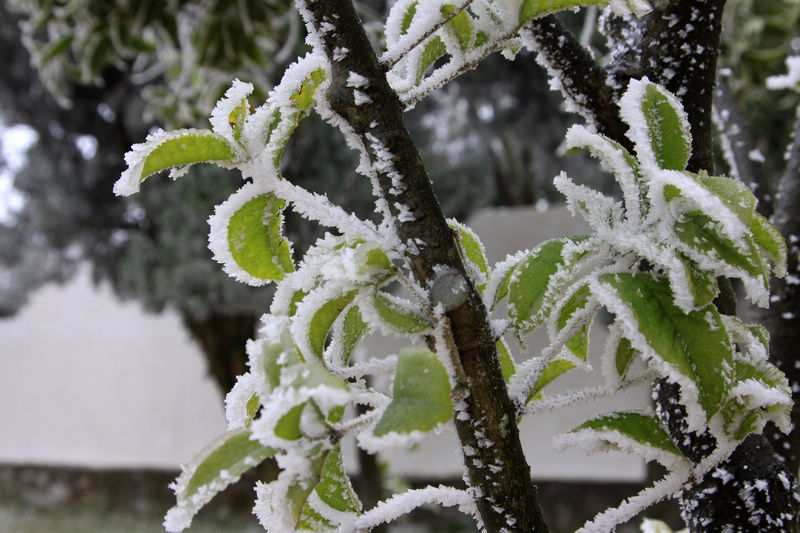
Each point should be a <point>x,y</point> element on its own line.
<point>291,405</point>
<point>245,232</point>
<point>653,261</point>
<point>429,43</point>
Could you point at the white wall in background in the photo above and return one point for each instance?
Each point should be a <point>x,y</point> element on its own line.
<point>87,380</point>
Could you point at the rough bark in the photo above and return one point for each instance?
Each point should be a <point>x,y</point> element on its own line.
<point>486,424</point>
<point>582,79</point>
<point>739,145</point>
<point>690,73</point>
<point>782,319</point>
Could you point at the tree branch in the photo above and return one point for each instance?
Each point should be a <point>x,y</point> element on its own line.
<point>486,422</point>
<point>739,145</point>
<point>582,80</point>
<point>782,319</point>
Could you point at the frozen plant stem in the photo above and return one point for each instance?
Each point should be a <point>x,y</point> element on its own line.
<point>486,423</point>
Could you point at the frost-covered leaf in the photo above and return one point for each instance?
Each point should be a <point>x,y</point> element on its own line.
<point>398,314</point>
<point>667,128</point>
<point>353,328</point>
<point>532,9</point>
<point>554,369</point>
<point>761,393</point>
<point>534,279</point>
<point>642,428</point>
<point>246,236</point>
<point>323,319</point>
<point>176,149</point>
<point>702,284</point>
<point>695,345</point>
<point>472,247</point>
<point>770,242</point>
<point>506,361</point>
<point>699,232</point>
<point>303,98</point>
<point>408,16</point>
<point>734,194</point>
<point>433,50</point>
<point>420,395</point>
<point>623,356</point>
<point>319,498</point>
<point>578,344</point>
<point>461,25</point>
<point>220,464</point>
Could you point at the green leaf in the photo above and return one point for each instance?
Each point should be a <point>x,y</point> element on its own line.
<point>322,321</point>
<point>481,38</point>
<point>637,426</point>
<point>332,486</point>
<point>353,329</point>
<point>697,230</point>
<point>695,344</point>
<point>530,282</point>
<point>251,408</point>
<point>254,238</point>
<point>275,359</point>
<point>702,284</point>
<point>553,370</point>
<point>578,344</point>
<point>304,97</point>
<point>461,25</point>
<point>433,50</point>
<point>398,316</point>
<point>288,426</point>
<point>420,396</point>
<point>237,117</point>
<point>733,193</point>
<point>671,142</point>
<point>506,361</point>
<point>770,242</point>
<point>219,465</point>
<point>532,9</point>
<point>408,17</point>
<point>472,247</point>
<point>624,356</point>
<point>193,146</point>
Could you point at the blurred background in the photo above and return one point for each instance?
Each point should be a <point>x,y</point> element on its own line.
<point>120,336</point>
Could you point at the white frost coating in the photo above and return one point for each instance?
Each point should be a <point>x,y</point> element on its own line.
<point>236,400</point>
<point>498,273</point>
<point>318,208</point>
<point>371,444</point>
<point>612,159</point>
<point>218,236</point>
<point>357,81</point>
<point>593,441</point>
<point>632,113</point>
<point>661,490</point>
<point>130,180</point>
<point>361,98</point>
<point>307,309</point>
<point>695,415</point>
<point>403,503</point>
<point>179,517</point>
<point>624,8</point>
<point>657,526</point>
<point>220,115</point>
<point>791,80</point>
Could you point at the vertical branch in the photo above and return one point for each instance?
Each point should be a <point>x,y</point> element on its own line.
<point>782,319</point>
<point>499,475</point>
<point>582,80</point>
<point>738,145</point>
<point>680,45</point>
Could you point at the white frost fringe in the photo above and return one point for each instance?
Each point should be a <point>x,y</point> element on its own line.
<point>400,504</point>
